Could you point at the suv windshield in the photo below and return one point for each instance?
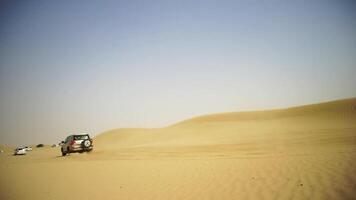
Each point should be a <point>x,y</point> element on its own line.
<point>81,137</point>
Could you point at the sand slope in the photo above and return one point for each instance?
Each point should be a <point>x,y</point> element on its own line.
<point>306,152</point>
<point>324,124</point>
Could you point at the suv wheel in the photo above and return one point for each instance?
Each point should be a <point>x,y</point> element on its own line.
<point>63,153</point>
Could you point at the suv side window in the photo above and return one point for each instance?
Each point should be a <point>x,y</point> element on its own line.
<point>67,139</point>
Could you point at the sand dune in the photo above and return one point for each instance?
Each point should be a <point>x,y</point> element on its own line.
<point>305,152</point>
<point>321,124</point>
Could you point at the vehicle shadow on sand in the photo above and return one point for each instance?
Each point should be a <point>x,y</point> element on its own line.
<point>73,155</point>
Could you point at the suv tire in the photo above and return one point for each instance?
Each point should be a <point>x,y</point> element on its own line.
<point>63,153</point>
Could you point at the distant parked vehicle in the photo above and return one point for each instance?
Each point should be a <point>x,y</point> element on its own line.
<point>20,151</point>
<point>77,143</point>
<point>40,145</point>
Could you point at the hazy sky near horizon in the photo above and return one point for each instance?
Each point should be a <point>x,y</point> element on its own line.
<point>74,66</point>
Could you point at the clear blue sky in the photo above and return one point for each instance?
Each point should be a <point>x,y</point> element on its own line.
<point>69,66</point>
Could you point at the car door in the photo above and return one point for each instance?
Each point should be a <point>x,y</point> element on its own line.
<point>79,139</point>
<point>66,143</point>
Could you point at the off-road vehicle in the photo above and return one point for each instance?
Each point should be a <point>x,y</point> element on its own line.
<point>77,143</point>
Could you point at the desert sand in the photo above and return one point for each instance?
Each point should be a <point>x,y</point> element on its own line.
<point>306,152</point>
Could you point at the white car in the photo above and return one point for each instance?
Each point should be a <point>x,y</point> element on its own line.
<point>20,151</point>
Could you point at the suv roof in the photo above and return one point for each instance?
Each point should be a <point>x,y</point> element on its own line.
<point>80,134</point>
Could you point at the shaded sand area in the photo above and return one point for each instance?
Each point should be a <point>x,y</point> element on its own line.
<point>306,152</point>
